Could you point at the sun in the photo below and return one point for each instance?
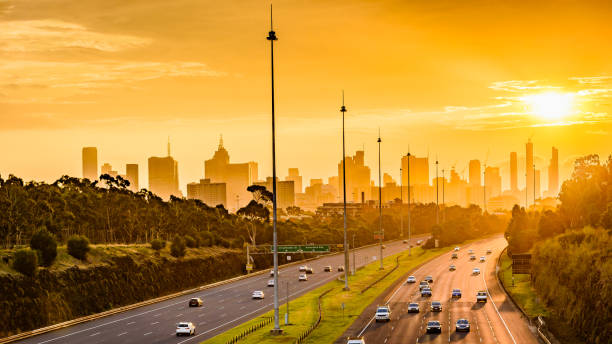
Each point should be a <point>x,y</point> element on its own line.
<point>550,105</point>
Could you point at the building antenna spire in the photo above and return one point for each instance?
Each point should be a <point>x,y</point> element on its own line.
<point>220,141</point>
<point>168,145</point>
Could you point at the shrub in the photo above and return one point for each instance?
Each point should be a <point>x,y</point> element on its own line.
<point>25,261</point>
<point>78,246</point>
<point>237,243</point>
<point>177,248</point>
<point>158,244</point>
<point>45,245</point>
<point>190,241</point>
<point>206,239</point>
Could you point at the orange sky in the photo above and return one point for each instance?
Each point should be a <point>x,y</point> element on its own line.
<point>446,77</point>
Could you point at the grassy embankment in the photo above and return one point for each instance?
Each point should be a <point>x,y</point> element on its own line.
<point>303,311</point>
<point>522,291</point>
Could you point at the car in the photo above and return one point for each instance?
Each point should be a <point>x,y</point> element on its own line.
<point>357,340</point>
<point>195,302</point>
<point>426,292</point>
<point>419,242</point>
<point>454,256</point>
<point>303,277</point>
<point>272,273</point>
<point>185,329</point>
<point>303,268</point>
<point>456,294</point>
<point>429,279</point>
<point>340,267</point>
<point>462,325</point>
<point>481,296</point>
<point>404,241</point>
<point>309,270</point>
<point>327,268</point>
<point>436,306</point>
<point>258,294</point>
<point>413,307</point>
<point>471,251</point>
<point>411,279</point>
<point>476,271</point>
<point>489,251</point>
<point>423,284</point>
<point>383,246</point>
<point>456,248</point>
<point>434,327</point>
<point>271,282</point>
<point>472,257</point>
<point>482,259</point>
<point>383,313</point>
<point>452,267</point>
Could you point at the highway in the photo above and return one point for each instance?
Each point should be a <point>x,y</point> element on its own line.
<point>496,321</point>
<point>225,306</point>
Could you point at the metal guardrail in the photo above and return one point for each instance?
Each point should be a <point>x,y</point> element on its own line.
<point>382,277</point>
<point>250,330</point>
<point>314,326</point>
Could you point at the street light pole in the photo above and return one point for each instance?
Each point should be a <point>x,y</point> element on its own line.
<point>408,171</point>
<point>354,249</point>
<point>272,37</point>
<point>400,207</point>
<point>534,191</point>
<point>443,203</point>
<point>380,228</point>
<point>346,252</point>
<point>437,206</point>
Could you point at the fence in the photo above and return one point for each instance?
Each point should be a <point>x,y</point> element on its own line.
<point>266,321</point>
<point>314,326</point>
<point>382,277</point>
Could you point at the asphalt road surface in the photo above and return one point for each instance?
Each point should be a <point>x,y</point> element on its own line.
<point>496,321</point>
<point>224,307</point>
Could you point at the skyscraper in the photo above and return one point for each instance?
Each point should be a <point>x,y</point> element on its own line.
<point>553,173</point>
<point>529,167</point>
<point>536,176</point>
<point>90,163</point>
<point>357,177</point>
<point>513,172</point>
<point>285,191</point>
<point>106,168</point>
<point>474,170</point>
<point>237,177</point>
<point>163,176</point>
<point>212,194</point>
<point>294,175</point>
<point>492,181</point>
<point>131,173</point>
<point>420,189</point>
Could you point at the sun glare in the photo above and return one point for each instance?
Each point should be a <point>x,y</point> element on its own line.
<point>550,105</point>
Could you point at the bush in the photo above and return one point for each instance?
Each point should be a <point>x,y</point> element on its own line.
<point>177,248</point>
<point>25,261</point>
<point>206,239</point>
<point>45,245</point>
<point>78,246</point>
<point>158,244</point>
<point>190,241</point>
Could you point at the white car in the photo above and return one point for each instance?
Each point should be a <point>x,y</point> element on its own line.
<point>413,307</point>
<point>383,313</point>
<point>258,294</point>
<point>411,279</point>
<point>185,329</point>
<point>303,268</point>
<point>303,277</point>
<point>358,340</point>
<point>456,248</point>
<point>489,251</point>
<point>482,259</point>
<point>272,273</point>
<point>271,283</point>
<point>481,296</point>
<point>476,271</point>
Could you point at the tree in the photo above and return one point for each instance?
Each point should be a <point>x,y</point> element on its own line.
<point>294,211</point>
<point>158,244</point>
<point>550,225</point>
<point>46,246</point>
<point>606,218</point>
<point>78,246</point>
<point>177,248</point>
<point>25,261</point>
<point>261,194</point>
<point>254,212</point>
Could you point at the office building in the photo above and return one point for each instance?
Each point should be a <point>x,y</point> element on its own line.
<point>493,182</point>
<point>294,175</point>
<point>529,168</point>
<point>553,174</point>
<point>163,176</point>
<point>285,192</point>
<point>513,172</point>
<point>212,194</point>
<point>106,168</point>
<point>357,177</point>
<point>474,171</point>
<point>131,174</point>
<point>90,163</point>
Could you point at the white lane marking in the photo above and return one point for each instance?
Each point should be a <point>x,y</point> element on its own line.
<point>154,323</point>
<point>179,315</point>
<point>223,315</point>
<point>156,315</point>
<point>131,322</point>
<point>121,334</point>
<point>202,323</point>
<point>495,306</point>
<point>201,315</point>
<point>220,308</point>
<point>243,307</point>
<point>148,333</point>
<point>95,334</point>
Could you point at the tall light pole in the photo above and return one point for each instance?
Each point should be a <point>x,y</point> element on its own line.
<point>272,37</point>
<point>437,206</point>
<point>408,174</point>
<point>526,183</point>
<point>534,192</point>
<point>381,232</point>
<point>443,203</point>
<point>484,188</point>
<point>346,252</point>
<point>400,208</point>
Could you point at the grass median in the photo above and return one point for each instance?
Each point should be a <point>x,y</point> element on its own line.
<point>521,290</point>
<point>304,310</point>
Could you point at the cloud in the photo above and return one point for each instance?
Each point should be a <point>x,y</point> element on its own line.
<point>592,79</point>
<point>519,86</point>
<point>49,35</point>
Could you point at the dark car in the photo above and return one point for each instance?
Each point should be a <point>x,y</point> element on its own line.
<point>434,327</point>
<point>195,302</point>
<point>456,294</point>
<point>309,270</point>
<point>436,306</point>
<point>429,279</point>
<point>462,325</point>
<point>327,268</point>
<point>426,292</point>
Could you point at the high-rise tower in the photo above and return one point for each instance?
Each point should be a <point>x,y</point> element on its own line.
<point>90,163</point>
<point>513,172</point>
<point>553,173</point>
<point>529,166</point>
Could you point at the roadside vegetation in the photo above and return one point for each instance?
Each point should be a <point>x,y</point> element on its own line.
<point>570,249</point>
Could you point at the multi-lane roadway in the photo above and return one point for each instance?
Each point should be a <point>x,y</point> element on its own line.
<point>496,321</point>
<point>224,307</point>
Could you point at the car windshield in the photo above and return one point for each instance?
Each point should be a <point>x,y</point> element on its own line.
<point>462,321</point>
<point>433,323</point>
<point>436,303</point>
<point>383,309</point>
<point>414,305</point>
<point>482,293</point>
<point>456,291</point>
<point>426,289</point>
<point>183,325</point>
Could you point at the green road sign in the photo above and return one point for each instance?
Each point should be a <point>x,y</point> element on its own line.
<point>302,248</point>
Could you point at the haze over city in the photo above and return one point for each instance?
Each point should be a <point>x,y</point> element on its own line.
<point>456,82</point>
